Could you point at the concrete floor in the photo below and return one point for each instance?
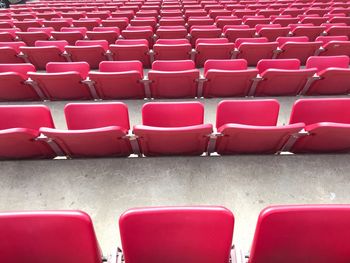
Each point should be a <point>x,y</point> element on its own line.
<point>105,188</point>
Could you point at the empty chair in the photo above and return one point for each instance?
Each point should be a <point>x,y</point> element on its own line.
<point>249,127</point>
<point>34,34</point>
<point>45,52</point>
<point>90,51</point>
<point>10,52</point>
<point>171,32</point>
<point>312,32</point>
<point>334,45</point>
<point>110,34</point>
<point>173,79</point>
<point>172,21</point>
<point>144,230</point>
<point>282,77</point>
<point>119,80</point>
<point>232,33</point>
<point>272,33</point>
<point>338,30</point>
<point>316,21</point>
<point>13,83</point>
<point>131,49</point>
<point>255,49</point>
<point>139,32</point>
<point>285,21</point>
<point>94,130</point>
<point>227,78</point>
<point>19,131</point>
<point>57,24</point>
<point>173,128</point>
<point>121,23</point>
<point>327,125</point>
<point>70,34</point>
<point>302,233</point>
<point>144,21</point>
<point>204,32</point>
<point>297,47</point>
<point>252,22</point>
<point>88,23</point>
<point>63,81</point>
<point>8,34</point>
<point>333,75</point>
<point>213,48</point>
<point>60,236</point>
<point>24,25</point>
<point>200,21</point>
<point>172,49</point>
<point>227,20</point>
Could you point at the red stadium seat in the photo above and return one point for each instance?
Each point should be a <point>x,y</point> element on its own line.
<point>327,125</point>
<point>88,23</point>
<point>110,34</point>
<point>255,49</point>
<point>173,79</point>
<point>94,130</point>
<point>297,47</point>
<point>119,80</point>
<point>282,77</point>
<point>63,81</point>
<point>34,34</point>
<point>121,23</point>
<point>10,51</point>
<point>173,128</point>
<point>227,78</point>
<point>272,33</point>
<point>139,32</point>
<point>8,34</point>
<point>302,233</point>
<point>19,129</point>
<point>13,85</point>
<point>171,32</point>
<point>45,52</point>
<point>204,32</point>
<point>312,32</point>
<point>334,45</point>
<point>131,49</point>
<point>336,30</point>
<point>70,34</point>
<point>213,48</point>
<point>60,236</point>
<point>57,24</point>
<point>333,75</point>
<point>171,21</point>
<point>90,51</point>
<point>172,49</point>
<point>252,22</point>
<point>249,127</point>
<point>233,32</point>
<point>24,25</point>
<point>285,21</point>
<point>144,230</point>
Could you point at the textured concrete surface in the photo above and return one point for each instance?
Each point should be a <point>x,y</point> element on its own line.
<point>105,188</point>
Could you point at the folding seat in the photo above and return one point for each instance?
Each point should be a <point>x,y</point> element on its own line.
<point>252,22</point>
<point>100,14</point>
<point>312,32</point>
<point>255,49</point>
<point>144,230</point>
<point>195,12</point>
<point>89,24</point>
<point>200,21</point>
<point>173,128</point>
<point>13,83</point>
<point>327,125</point>
<point>34,34</point>
<point>297,47</point>
<point>149,12</point>
<point>172,49</point>
<point>63,81</point>
<point>119,80</point>
<point>60,236</point>
<point>110,34</point>
<point>225,21</point>
<point>139,32</point>
<point>94,130</point>
<point>74,15</point>
<point>213,13</point>
<point>169,14</point>
<point>120,13</point>
<point>57,24</point>
<point>318,11</point>
<point>317,21</point>
<point>272,33</point>
<point>70,34</point>
<point>268,12</point>
<point>345,20</point>
<point>227,78</point>
<point>204,32</point>
<point>250,127</point>
<point>294,12</point>
<point>296,233</point>
<point>240,13</point>
<point>233,32</point>
<point>90,51</point>
<point>285,21</point>
<point>23,16</point>
<point>334,45</point>
<point>213,48</point>
<point>48,15</point>
<point>338,31</point>
<point>10,52</point>
<point>173,79</point>
<point>24,25</point>
<point>282,77</point>
<point>171,32</point>
<point>121,23</point>
<point>144,21</point>
<point>333,75</point>
<point>171,21</point>
<point>131,49</point>
<point>19,127</point>
<point>45,52</point>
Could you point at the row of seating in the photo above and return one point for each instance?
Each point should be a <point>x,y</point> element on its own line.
<point>175,79</point>
<point>95,51</point>
<point>175,128</point>
<point>289,234</point>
